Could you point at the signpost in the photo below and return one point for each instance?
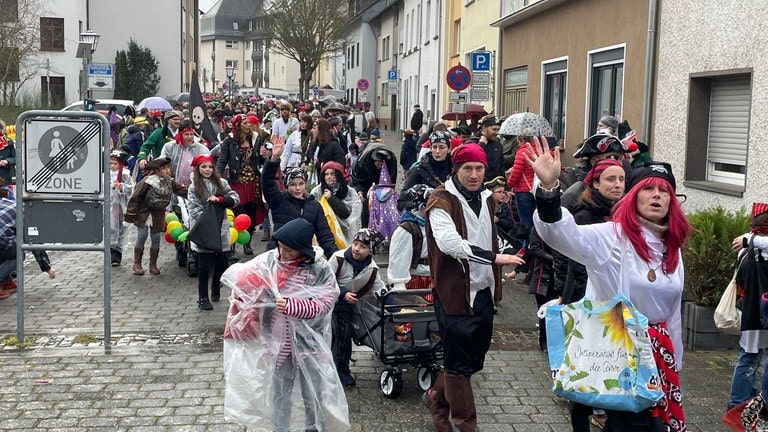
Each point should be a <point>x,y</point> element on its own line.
<point>100,76</point>
<point>64,197</point>
<point>392,75</point>
<point>458,78</point>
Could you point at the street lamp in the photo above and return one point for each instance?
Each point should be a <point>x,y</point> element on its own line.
<point>230,71</point>
<point>85,49</point>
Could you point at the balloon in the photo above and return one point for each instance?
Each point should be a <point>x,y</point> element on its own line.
<point>168,238</point>
<point>172,225</point>
<point>176,232</point>
<point>170,217</point>
<point>232,224</point>
<point>183,236</point>
<point>243,237</point>
<point>232,235</point>
<point>242,222</point>
<point>230,213</point>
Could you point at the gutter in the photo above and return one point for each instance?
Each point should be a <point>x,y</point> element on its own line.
<point>650,54</point>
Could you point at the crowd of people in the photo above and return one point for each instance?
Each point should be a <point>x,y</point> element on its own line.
<point>323,196</point>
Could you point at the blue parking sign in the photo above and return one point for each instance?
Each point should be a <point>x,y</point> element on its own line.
<point>481,61</point>
<point>392,75</point>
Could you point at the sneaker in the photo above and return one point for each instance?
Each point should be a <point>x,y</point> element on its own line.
<point>347,380</point>
<point>598,420</point>
<point>4,295</point>
<point>204,304</point>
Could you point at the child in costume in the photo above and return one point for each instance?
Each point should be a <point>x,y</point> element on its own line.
<point>409,267</point>
<point>122,187</point>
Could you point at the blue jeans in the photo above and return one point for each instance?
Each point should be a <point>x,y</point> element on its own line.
<point>526,204</point>
<point>744,381</point>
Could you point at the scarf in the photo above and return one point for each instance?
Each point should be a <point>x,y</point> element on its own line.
<point>474,199</point>
<point>357,266</point>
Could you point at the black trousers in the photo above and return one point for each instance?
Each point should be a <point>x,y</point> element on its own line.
<point>208,262</point>
<point>466,338</point>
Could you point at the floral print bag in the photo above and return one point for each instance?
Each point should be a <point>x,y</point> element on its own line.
<point>600,354</point>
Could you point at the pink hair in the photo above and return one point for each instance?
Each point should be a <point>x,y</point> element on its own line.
<point>678,228</point>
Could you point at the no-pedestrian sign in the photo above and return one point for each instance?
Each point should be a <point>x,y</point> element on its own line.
<point>62,156</point>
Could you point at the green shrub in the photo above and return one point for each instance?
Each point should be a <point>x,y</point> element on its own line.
<point>707,255</point>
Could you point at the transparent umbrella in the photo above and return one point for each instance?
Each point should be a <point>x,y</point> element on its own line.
<point>526,124</point>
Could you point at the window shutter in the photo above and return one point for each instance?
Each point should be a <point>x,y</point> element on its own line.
<point>729,121</point>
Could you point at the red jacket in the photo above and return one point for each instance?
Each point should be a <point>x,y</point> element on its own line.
<point>521,177</point>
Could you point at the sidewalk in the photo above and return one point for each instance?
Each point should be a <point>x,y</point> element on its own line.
<point>164,372</point>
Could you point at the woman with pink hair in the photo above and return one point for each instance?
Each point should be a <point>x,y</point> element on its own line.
<point>637,254</point>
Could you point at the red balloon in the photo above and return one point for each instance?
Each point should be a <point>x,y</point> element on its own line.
<point>168,238</point>
<point>242,222</point>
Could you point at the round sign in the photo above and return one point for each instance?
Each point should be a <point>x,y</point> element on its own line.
<point>58,139</point>
<point>458,78</point>
<point>363,84</point>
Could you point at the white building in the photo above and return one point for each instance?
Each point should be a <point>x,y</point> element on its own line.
<point>167,28</point>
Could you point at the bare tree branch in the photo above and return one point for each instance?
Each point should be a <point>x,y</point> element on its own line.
<point>19,46</point>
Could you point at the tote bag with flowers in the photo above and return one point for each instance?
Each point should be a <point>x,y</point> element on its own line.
<point>600,354</point>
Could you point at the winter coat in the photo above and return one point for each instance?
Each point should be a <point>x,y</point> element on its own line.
<point>134,139</point>
<point>331,151</point>
<point>230,156</point>
<point>286,208</point>
<point>196,205</point>
<point>423,173</point>
<point>138,213</point>
<point>542,272</point>
<point>366,174</point>
<point>9,154</point>
<point>408,152</point>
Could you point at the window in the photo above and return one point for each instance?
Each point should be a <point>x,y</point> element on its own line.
<point>9,10</point>
<point>56,89</point>
<point>719,118</point>
<point>515,89</point>
<point>385,41</point>
<point>250,25</point>
<point>607,85</point>
<point>358,54</point>
<point>231,44</point>
<point>247,65</point>
<point>456,41</point>
<point>232,63</point>
<point>51,34</point>
<point>248,45</point>
<point>427,33</point>
<point>235,26</point>
<point>555,86</point>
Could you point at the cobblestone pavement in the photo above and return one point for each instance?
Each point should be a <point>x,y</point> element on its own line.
<point>164,372</point>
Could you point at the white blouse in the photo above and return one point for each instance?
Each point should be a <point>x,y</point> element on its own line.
<point>614,267</point>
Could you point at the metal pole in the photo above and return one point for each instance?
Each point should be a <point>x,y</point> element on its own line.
<point>84,84</point>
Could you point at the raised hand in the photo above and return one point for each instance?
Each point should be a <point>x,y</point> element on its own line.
<point>277,146</point>
<point>545,163</point>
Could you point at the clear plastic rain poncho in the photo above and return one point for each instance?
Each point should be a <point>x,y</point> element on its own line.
<point>118,203</point>
<point>278,368</point>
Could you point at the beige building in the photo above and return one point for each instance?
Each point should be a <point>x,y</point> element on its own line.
<point>575,61</point>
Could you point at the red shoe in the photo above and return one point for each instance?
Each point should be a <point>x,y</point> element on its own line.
<point>8,287</point>
<point>4,295</point>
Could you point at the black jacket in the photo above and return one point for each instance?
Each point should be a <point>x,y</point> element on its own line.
<point>286,208</point>
<point>417,120</point>
<point>329,152</point>
<point>494,153</point>
<point>423,173</point>
<point>230,156</point>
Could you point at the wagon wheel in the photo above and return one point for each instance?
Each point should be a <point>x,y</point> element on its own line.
<point>425,376</point>
<point>391,383</point>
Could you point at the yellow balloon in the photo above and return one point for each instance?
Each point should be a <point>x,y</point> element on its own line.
<point>232,235</point>
<point>230,213</point>
<point>230,218</point>
<point>172,225</point>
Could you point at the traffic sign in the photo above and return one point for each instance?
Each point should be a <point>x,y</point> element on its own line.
<point>481,79</point>
<point>315,89</point>
<point>100,76</point>
<point>392,88</point>
<point>480,94</point>
<point>481,61</point>
<point>457,97</point>
<point>457,108</point>
<point>392,75</point>
<point>63,156</point>
<point>363,84</point>
<point>363,97</point>
<point>458,77</point>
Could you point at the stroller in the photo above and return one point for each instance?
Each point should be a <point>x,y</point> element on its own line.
<point>401,329</point>
<point>185,256</point>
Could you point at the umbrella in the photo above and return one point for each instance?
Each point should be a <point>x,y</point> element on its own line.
<point>179,98</point>
<point>526,124</point>
<point>472,111</point>
<point>154,103</point>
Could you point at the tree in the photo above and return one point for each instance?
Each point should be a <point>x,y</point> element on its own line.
<point>307,31</point>
<point>20,58</point>
<point>136,75</point>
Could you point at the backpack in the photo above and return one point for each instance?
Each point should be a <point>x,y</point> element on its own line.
<point>158,195</point>
<point>417,238</point>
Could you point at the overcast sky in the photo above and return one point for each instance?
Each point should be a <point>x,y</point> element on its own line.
<point>206,4</point>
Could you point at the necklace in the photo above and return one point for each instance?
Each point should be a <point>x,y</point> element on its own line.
<point>652,270</point>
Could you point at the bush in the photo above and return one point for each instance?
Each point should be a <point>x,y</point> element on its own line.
<point>707,255</point>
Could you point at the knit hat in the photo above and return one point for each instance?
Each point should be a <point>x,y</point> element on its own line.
<point>294,173</point>
<point>611,122</point>
<point>297,235</point>
<point>252,119</point>
<point>469,153</point>
<point>440,137</point>
<point>661,170</point>
<point>156,164</point>
<point>332,165</point>
<point>369,237</point>
<point>599,144</point>
<point>759,223</point>
<point>200,159</point>
<point>594,174</point>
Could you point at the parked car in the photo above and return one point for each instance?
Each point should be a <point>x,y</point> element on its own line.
<point>102,105</point>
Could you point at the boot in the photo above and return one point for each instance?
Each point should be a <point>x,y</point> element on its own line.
<point>247,249</point>
<point>153,254</point>
<point>458,393</point>
<point>115,257</point>
<point>265,236</point>
<point>438,406</point>
<point>137,254</point>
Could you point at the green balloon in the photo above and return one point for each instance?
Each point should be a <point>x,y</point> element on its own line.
<point>231,224</point>
<point>243,237</point>
<point>170,217</point>
<point>176,232</point>
<point>183,236</point>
